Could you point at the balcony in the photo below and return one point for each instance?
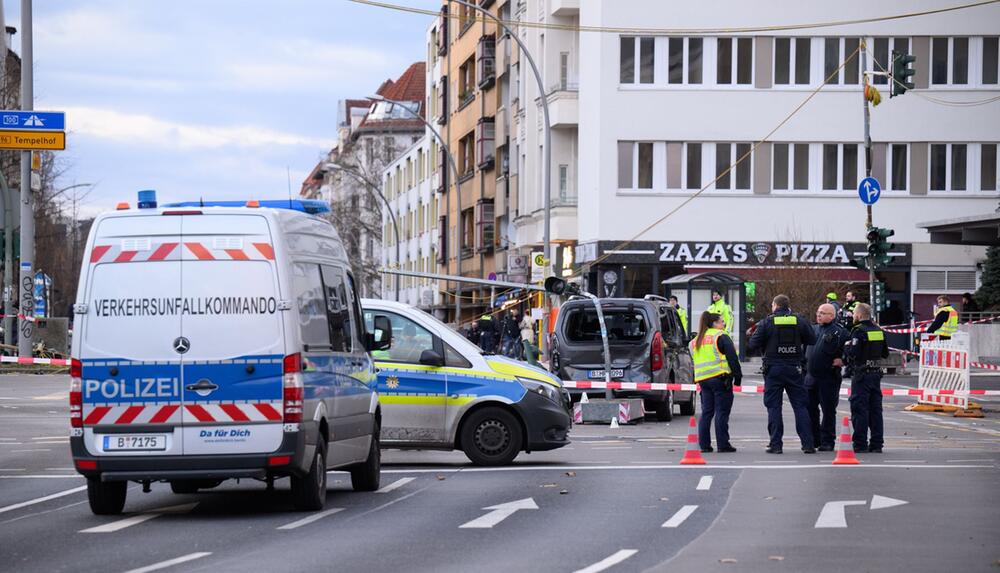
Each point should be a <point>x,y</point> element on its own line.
<point>564,104</point>
<point>564,8</point>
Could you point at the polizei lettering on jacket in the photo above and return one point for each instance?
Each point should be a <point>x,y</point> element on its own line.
<point>156,388</point>
<point>212,306</point>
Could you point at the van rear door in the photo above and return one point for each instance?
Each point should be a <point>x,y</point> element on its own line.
<point>132,400</point>
<point>232,370</point>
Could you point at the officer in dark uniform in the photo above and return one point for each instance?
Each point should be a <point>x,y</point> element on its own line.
<point>863,351</point>
<point>823,376</point>
<point>846,317</point>
<point>783,336</point>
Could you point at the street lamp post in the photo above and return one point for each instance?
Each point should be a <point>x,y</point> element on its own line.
<point>378,192</point>
<point>458,195</point>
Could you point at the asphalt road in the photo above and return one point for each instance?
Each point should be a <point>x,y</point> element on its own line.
<point>616,500</point>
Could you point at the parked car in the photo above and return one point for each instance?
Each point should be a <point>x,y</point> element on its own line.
<point>440,391</point>
<point>646,342</point>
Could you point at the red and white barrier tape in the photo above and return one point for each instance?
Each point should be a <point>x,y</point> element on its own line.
<point>46,361</point>
<point>20,316</point>
<point>923,324</point>
<point>981,365</point>
<point>757,389</point>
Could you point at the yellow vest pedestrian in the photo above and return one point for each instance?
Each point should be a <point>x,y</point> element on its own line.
<point>950,325</point>
<point>709,362</point>
<point>720,308</point>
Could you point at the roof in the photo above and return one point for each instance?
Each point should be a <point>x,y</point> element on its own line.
<point>411,86</point>
<point>972,230</point>
<point>313,181</point>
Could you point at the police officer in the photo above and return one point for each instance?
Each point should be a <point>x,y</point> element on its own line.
<point>863,351</point>
<point>716,368</point>
<point>831,298</point>
<point>823,376</point>
<point>945,319</point>
<point>782,336</point>
<point>846,316</point>
<point>681,312</point>
<point>722,309</point>
<point>487,333</point>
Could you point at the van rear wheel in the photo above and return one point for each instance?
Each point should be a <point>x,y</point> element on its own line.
<point>106,498</point>
<point>368,475</point>
<point>491,437</point>
<point>687,408</point>
<point>309,491</point>
<point>665,410</point>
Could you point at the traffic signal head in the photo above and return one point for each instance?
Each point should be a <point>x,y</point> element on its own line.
<point>558,286</point>
<point>901,72</point>
<point>878,246</point>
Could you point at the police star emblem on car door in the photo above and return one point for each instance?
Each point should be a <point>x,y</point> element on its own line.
<point>181,345</point>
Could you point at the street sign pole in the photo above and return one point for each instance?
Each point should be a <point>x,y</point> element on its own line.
<point>868,169</point>
<point>26,328</point>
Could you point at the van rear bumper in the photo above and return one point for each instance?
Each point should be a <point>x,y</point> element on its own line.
<point>214,467</point>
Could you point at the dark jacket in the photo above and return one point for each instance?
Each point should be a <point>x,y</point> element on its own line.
<point>830,339</point>
<point>856,351</point>
<point>728,349</point>
<point>764,333</point>
<point>939,320</point>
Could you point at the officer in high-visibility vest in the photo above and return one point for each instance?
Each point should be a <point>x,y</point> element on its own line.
<point>945,320</point>
<point>782,336</point>
<point>863,351</point>
<point>681,313</point>
<point>846,316</point>
<point>716,369</point>
<point>722,309</point>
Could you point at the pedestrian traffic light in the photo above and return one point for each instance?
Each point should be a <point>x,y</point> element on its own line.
<point>878,297</point>
<point>879,247</point>
<point>901,72</point>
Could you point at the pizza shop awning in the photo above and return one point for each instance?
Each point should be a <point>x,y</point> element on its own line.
<point>973,230</point>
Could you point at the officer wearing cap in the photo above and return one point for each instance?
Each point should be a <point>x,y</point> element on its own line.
<point>863,351</point>
<point>783,337</point>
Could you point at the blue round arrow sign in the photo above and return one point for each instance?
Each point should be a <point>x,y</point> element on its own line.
<point>869,190</point>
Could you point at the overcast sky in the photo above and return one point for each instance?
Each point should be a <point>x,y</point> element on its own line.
<point>209,98</point>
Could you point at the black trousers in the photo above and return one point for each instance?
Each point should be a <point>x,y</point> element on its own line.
<point>866,409</point>
<point>824,396</point>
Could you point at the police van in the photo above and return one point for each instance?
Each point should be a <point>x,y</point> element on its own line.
<point>439,391</point>
<point>216,343</point>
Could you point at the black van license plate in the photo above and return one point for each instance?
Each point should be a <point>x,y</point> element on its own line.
<point>599,374</point>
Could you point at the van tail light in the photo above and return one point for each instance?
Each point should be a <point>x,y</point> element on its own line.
<point>75,368</point>
<point>656,353</point>
<point>75,396</point>
<point>292,388</point>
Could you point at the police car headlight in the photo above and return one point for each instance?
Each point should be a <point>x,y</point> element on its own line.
<point>541,388</point>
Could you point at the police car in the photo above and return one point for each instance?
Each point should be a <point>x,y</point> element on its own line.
<point>220,342</point>
<point>439,391</point>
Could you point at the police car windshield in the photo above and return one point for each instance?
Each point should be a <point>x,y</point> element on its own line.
<point>623,325</point>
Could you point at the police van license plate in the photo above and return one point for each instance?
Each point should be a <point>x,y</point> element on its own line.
<point>137,442</point>
<point>599,374</point>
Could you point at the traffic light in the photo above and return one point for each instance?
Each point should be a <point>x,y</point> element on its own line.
<point>878,297</point>
<point>860,263</point>
<point>879,247</point>
<point>558,286</point>
<point>901,72</point>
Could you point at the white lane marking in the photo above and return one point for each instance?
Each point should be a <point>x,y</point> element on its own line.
<point>170,562</point>
<point>32,450</point>
<point>27,515</point>
<point>834,514</point>
<point>499,513</point>
<point>679,517</point>
<point>61,395</point>
<point>139,518</point>
<point>12,469</point>
<point>613,559</point>
<point>963,461</point>
<point>54,476</point>
<point>705,483</point>
<point>395,485</point>
<point>61,469</point>
<point>311,518</point>
<point>10,444</point>
<point>51,438</point>
<point>882,502</point>
<point>41,499</point>
<point>914,461</point>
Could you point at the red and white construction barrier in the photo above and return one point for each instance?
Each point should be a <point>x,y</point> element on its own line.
<point>172,251</point>
<point>923,324</point>
<point>759,389</point>
<point>46,361</point>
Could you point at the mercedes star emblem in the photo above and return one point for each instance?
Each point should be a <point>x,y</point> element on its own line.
<point>181,345</point>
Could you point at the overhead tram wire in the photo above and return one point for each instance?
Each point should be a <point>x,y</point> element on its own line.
<point>682,31</point>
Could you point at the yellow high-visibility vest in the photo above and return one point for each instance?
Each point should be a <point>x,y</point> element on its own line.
<point>950,326</point>
<point>708,360</point>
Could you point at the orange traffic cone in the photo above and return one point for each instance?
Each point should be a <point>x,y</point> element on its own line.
<point>692,455</point>
<point>845,447</point>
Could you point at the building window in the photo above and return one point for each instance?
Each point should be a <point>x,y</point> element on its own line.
<point>486,149</point>
<point>898,172</point>
<point>991,61</point>
<point>835,51</point>
<point>563,70</point>
<point>726,156</point>
<point>734,54</point>
<point>442,252</point>
<point>949,61</point>
<point>949,166</point>
<point>988,167</point>
<point>676,50</point>
<point>466,82</point>
<point>693,166</point>
<point>645,48</point>
<point>468,231</point>
<point>791,166</point>
<point>442,169</point>
<point>485,225</point>
<point>883,55</point>
<point>486,61</point>
<point>442,36</point>
<point>645,164</point>
<point>466,155</point>
<point>635,157</point>
<point>442,106</point>
<point>791,61</point>
<point>840,166</point>
<point>563,182</point>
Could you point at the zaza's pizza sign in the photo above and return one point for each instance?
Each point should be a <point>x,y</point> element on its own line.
<point>759,253</point>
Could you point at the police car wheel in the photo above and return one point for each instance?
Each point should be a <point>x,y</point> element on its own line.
<point>368,476</point>
<point>106,498</point>
<point>491,437</point>
<point>309,491</point>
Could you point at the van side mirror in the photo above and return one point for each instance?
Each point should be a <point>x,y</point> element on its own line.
<point>431,358</point>
<point>381,339</point>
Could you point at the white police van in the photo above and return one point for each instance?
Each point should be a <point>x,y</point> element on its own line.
<point>220,342</point>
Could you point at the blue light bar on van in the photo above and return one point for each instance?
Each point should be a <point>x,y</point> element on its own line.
<point>310,206</point>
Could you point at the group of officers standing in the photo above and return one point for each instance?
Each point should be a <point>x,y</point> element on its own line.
<point>805,362</point>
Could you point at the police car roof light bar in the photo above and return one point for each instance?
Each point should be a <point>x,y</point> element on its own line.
<point>308,206</point>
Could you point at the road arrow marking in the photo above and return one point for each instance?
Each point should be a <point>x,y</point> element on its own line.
<point>139,518</point>
<point>881,502</point>
<point>834,514</point>
<point>499,513</point>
